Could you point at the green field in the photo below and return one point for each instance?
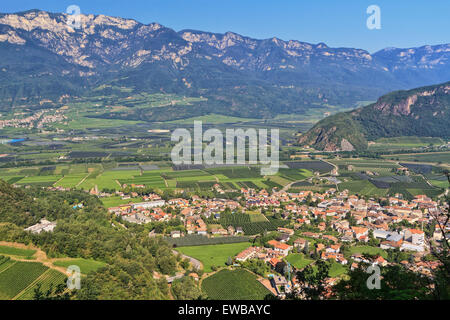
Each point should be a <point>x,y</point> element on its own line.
<point>19,276</point>
<point>362,187</point>
<point>86,265</point>
<point>5,262</point>
<point>214,255</point>
<point>337,270</point>
<point>16,251</point>
<point>117,201</point>
<point>298,260</point>
<point>39,180</point>
<point>234,285</point>
<point>71,180</point>
<point>443,157</point>
<point>368,250</point>
<point>398,143</point>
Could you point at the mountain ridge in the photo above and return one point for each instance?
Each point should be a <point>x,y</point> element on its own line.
<point>423,111</point>
<point>235,72</point>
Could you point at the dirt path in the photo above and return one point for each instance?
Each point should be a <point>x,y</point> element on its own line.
<point>82,180</point>
<point>39,255</point>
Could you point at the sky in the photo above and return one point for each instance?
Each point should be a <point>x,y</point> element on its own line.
<point>338,23</point>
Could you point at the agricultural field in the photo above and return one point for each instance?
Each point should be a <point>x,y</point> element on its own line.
<point>108,179</point>
<point>214,255</point>
<point>5,262</point>
<point>42,181</point>
<point>319,165</point>
<point>71,180</point>
<point>257,217</point>
<point>199,240</point>
<point>212,119</point>
<point>368,250</point>
<point>111,175</point>
<point>234,285</point>
<point>86,265</point>
<point>49,278</point>
<point>115,201</point>
<point>294,174</point>
<point>362,187</point>
<point>23,253</point>
<point>432,157</point>
<point>399,143</point>
<point>244,220</point>
<point>17,277</point>
<point>298,260</point>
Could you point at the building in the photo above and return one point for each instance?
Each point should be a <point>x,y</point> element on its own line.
<point>43,225</point>
<point>416,237</point>
<point>175,234</point>
<point>282,248</point>
<point>248,253</point>
<point>148,205</point>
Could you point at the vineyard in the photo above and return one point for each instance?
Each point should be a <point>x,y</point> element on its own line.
<point>237,172</point>
<point>199,240</point>
<point>49,278</point>
<point>250,228</point>
<point>234,285</point>
<point>19,276</point>
<point>313,166</point>
<point>5,262</point>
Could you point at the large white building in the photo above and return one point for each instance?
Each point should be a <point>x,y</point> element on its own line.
<point>150,204</point>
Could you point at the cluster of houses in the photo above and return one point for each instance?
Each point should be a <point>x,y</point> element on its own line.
<point>37,120</point>
<point>344,220</point>
<point>352,218</point>
<point>142,212</point>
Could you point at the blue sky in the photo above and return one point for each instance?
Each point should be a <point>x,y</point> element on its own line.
<point>338,23</point>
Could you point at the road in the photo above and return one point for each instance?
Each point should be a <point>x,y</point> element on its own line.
<point>195,263</point>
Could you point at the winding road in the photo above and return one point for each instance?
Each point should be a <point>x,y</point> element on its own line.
<point>195,263</point>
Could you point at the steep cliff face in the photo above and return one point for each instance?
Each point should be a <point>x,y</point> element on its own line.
<point>43,57</point>
<point>419,112</point>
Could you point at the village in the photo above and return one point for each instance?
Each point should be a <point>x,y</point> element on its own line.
<point>333,226</point>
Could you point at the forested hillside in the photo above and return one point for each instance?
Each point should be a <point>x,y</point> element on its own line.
<point>131,255</point>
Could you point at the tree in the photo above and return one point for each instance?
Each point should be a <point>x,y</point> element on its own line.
<point>312,282</point>
<point>306,249</point>
<point>186,289</point>
<point>53,293</point>
<point>397,283</point>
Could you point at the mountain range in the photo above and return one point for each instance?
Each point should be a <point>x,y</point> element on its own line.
<point>45,59</point>
<point>422,112</point>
